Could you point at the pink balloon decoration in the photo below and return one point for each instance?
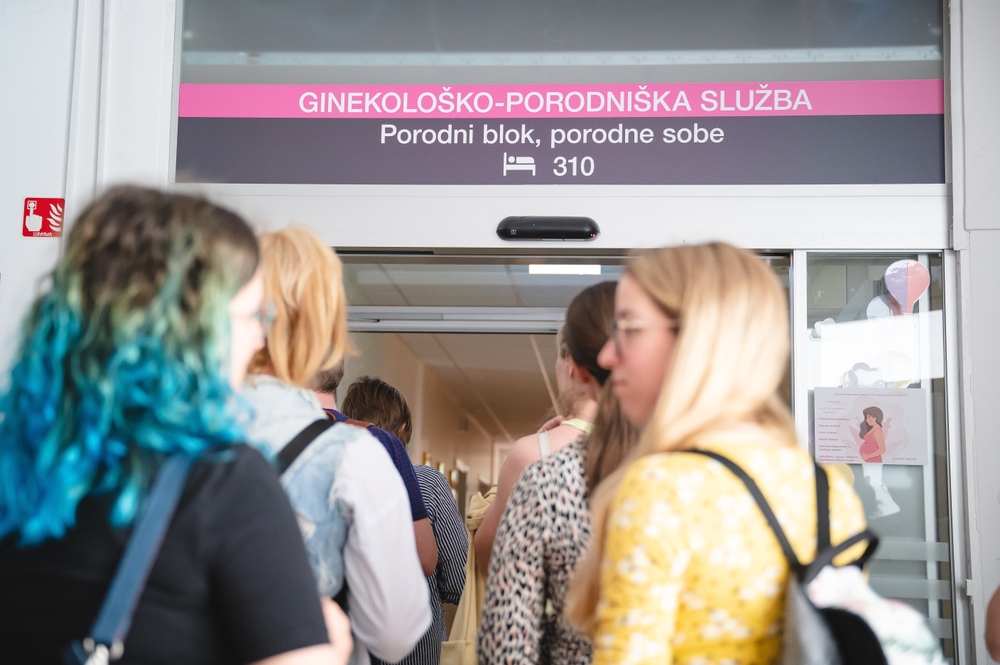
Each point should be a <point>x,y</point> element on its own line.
<point>907,280</point>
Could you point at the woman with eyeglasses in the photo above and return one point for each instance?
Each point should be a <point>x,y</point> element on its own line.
<point>351,503</point>
<point>683,566</point>
<point>132,355</point>
<point>546,525</point>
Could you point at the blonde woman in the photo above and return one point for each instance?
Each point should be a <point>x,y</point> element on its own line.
<point>684,567</point>
<point>351,503</point>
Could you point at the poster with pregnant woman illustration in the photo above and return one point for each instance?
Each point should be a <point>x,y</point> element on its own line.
<point>871,425</point>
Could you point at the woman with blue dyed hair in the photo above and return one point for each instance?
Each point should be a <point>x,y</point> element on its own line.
<point>130,356</point>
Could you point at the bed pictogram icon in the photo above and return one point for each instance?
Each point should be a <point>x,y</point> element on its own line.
<point>512,163</point>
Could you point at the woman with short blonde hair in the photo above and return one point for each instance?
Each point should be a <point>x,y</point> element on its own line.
<point>351,503</point>
<point>309,333</point>
<point>683,565</point>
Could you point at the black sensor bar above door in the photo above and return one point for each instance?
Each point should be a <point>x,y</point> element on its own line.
<point>548,228</point>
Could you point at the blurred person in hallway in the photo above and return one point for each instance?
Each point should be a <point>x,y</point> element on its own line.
<point>325,385</point>
<point>546,526</point>
<point>993,626</point>
<point>133,355</point>
<point>375,401</point>
<point>351,504</point>
<point>579,391</point>
<point>682,565</point>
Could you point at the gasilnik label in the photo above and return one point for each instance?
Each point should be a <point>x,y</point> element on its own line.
<point>691,133</point>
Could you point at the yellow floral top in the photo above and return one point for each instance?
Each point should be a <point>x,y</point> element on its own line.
<point>692,573</point>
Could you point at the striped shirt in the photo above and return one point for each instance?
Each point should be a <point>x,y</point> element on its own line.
<point>448,580</point>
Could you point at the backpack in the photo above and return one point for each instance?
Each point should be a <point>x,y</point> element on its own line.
<point>832,615</point>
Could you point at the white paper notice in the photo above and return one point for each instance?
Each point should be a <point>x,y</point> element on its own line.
<point>871,425</point>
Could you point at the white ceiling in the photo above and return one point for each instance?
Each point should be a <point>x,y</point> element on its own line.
<point>464,285</point>
<point>496,378</point>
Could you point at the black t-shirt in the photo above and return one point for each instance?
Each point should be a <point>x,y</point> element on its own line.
<point>232,583</point>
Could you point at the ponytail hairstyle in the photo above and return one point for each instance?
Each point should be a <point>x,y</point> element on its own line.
<point>588,322</point>
<point>304,279</point>
<point>722,382</point>
<point>123,360</point>
<point>589,318</point>
<point>611,441</point>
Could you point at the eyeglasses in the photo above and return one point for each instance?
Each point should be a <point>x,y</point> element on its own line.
<point>623,332</point>
<point>266,316</point>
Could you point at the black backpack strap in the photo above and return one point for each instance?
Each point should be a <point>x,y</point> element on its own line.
<point>822,510</point>
<point>826,552</point>
<point>294,448</point>
<point>107,636</point>
<point>341,597</point>
<point>765,508</point>
<point>825,557</point>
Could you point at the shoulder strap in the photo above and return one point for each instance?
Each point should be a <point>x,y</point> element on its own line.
<point>294,448</point>
<point>580,424</point>
<point>765,508</point>
<point>112,625</point>
<point>825,551</point>
<point>822,510</point>
<point>543,444</point>
<point>825,557</point>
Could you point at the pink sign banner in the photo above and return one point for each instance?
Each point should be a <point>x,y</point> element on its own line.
<point>655,100</point>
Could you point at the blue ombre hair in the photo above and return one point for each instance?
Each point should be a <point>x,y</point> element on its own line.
<point>123,360</point>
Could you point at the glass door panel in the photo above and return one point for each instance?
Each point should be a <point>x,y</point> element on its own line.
<point>877,405</point>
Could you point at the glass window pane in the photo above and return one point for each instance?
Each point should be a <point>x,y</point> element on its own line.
<point>876,382</point>
<point>553,41</point>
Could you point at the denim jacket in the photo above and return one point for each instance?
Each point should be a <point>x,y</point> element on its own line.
<point>281,412</point>
<point>355,519</point>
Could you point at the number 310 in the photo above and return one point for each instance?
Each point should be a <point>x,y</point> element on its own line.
<point>586,166</point>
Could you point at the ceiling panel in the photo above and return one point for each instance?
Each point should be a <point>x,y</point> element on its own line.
<point>501,352</point>
<point>556,290</point>
<point>495,377</point>
<point>446,285</point>
<point>466,284</point>
<point>368,284</point>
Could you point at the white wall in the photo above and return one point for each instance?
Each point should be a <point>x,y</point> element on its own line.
<point>983,319</point>
<point>36,67</point>
<point>85,104</point>
<point>976,99</point>
<point>137,92</point>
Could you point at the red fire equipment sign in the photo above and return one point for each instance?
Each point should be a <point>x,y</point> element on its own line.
<point>43,218</point>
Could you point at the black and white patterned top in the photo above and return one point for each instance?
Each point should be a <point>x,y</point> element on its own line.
<point>448,580</point>
<point>545,528</point>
